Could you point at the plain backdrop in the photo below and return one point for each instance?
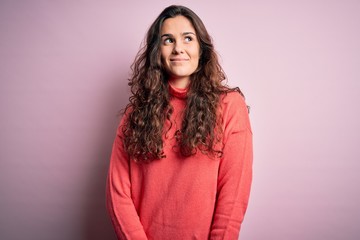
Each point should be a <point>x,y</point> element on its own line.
<point>63,78</point>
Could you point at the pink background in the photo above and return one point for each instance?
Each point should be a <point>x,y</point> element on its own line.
<point>63,72</point>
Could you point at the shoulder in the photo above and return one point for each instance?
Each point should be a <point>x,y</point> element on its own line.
<point>234,111</point>
<point>123,119</point>
<point>233,102</point>
<point>232,96</point>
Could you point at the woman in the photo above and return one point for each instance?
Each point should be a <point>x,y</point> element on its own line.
<point>181,164</point>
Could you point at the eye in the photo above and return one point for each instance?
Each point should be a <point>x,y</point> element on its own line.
<point>188,39</point>
<point>168,41</point>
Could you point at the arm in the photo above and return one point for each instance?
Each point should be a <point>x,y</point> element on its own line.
<point>235,172</point>
<point>120,206</point>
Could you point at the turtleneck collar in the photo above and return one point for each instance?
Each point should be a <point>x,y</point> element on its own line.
<point>178,92</point>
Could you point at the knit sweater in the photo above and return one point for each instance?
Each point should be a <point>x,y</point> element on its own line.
<point>178,197</point>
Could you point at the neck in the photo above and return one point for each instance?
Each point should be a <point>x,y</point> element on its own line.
<point>179,82</point>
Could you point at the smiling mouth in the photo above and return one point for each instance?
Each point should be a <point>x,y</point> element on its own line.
<point>179,59</point>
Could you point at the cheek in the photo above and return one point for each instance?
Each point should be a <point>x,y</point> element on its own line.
<point>196,52</point>
<point>165,51</point>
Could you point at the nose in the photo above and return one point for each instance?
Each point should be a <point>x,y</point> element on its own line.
<point>178,48</point>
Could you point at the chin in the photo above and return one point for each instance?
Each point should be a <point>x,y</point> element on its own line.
<point>182,73</point>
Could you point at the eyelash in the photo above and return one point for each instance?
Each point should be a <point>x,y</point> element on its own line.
<point>188,37</point>
<point>170,40</point>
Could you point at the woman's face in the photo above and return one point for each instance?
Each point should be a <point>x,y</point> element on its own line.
<point>180,50</point>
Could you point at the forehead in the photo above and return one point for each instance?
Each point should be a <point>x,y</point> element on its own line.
<point>178,24</point>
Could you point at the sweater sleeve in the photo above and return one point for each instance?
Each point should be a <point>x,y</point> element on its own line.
<point>235,170</point>
<point>120,206</point>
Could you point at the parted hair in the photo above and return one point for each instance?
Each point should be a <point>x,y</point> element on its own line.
<point>149,105</point>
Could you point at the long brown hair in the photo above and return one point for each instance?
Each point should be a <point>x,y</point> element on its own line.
<point>149,105</point>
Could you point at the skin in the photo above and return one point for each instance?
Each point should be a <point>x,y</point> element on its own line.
<point>180,50</point>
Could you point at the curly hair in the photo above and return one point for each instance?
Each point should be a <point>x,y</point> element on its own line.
<point>149,106</point>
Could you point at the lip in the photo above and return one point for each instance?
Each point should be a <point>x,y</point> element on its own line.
<point>178,59</point>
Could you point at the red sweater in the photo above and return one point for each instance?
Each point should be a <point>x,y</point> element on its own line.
<point>184,198</point>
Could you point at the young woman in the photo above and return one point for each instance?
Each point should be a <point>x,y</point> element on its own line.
<point>181,165</point>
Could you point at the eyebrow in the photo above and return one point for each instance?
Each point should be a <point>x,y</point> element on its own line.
<point>183,34</point>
